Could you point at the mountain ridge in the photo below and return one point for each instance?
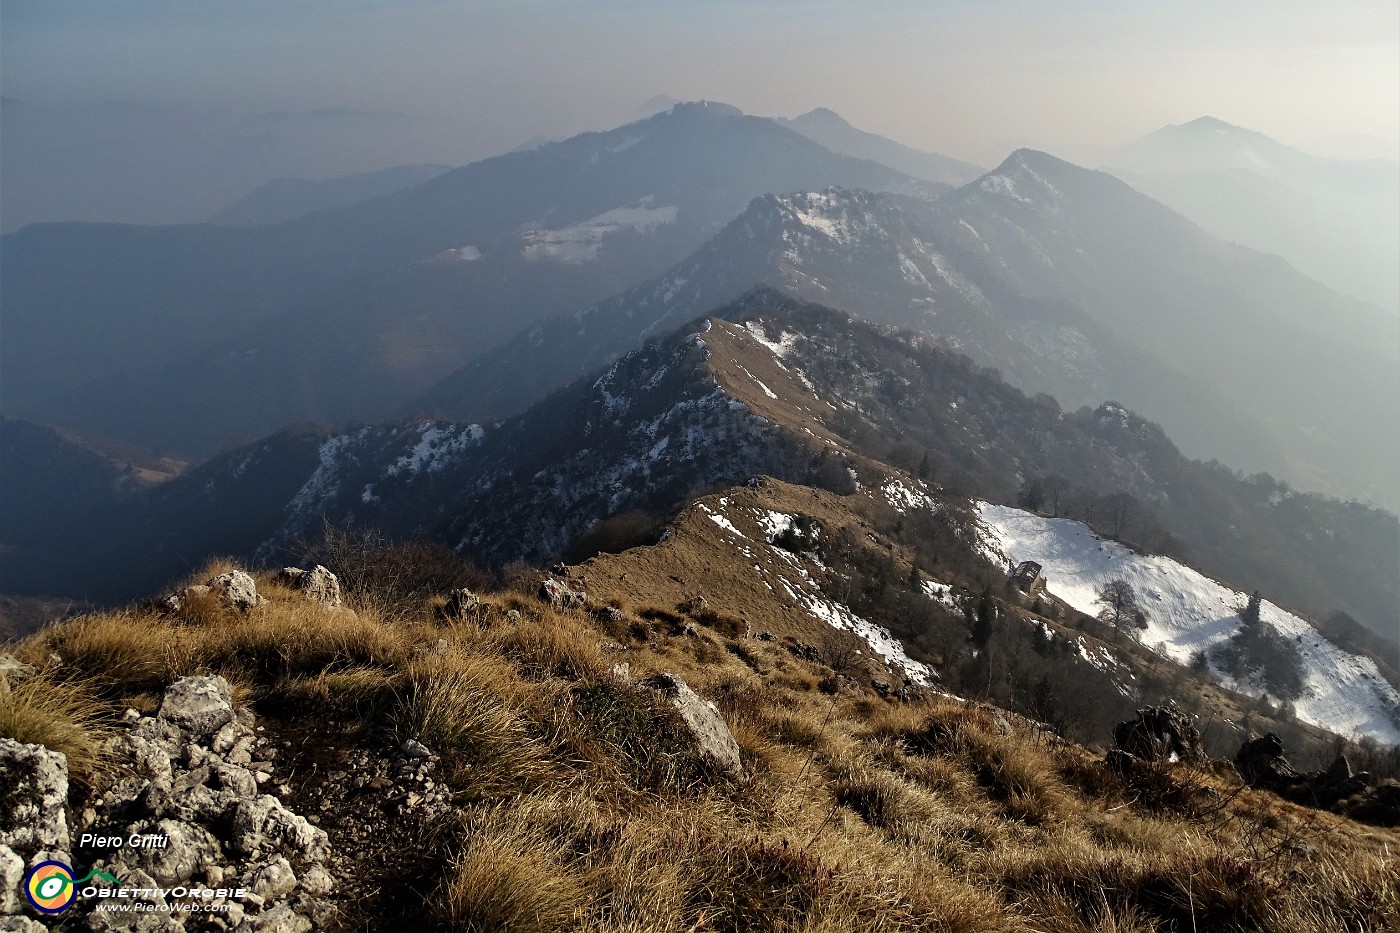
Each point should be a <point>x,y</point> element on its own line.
<point>795,391</point>
<point>1109,316</point>
<point>217,301</point>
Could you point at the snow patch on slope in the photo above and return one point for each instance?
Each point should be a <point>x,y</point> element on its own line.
<point>902,498</point>
<point>1188,612</point>
<point>580,243</point>
<point>437,444</point>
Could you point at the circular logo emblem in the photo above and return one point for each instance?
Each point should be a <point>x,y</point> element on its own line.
<point>49,887</point>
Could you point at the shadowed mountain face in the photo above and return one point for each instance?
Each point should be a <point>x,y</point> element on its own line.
<point>828,128</point>
<point>1336,220</point>
<point>186,337</point>
<point>769,385</point>
<point>1069,282</point>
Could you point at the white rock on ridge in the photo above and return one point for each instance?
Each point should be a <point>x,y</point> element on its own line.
<point>33,798</point>
<point>13,671</point>
<point>712,736</point>
<point>317,584</point>
<point>561,596</point>
<point>459,603</point>
<point>235,588</point>
<point>199,705</point>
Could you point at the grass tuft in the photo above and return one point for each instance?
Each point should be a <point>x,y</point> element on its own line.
<point>509,876</point>
<point>63,716</point>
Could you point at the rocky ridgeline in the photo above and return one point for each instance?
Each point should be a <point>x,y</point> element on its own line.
<point>1165,734</point>
<point>194,792</point>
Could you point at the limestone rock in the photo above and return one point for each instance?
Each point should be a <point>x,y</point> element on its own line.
<point>317,584</point>
<point>280,919</point>
<point>459,603</point>
<point>560,596</point>
<point>188,849</point>
<point>235,588</point>
<point>238,780</point>
<point>712,736</point>
<point>1262,764</point>
<point>1379,805</point>
<point>13,671</point>
<point>199,705</point>
<point>33,798</point>
<point>318,881</point>
<point>11,874</point>
<point>273,881</point>
<point>263,823</point>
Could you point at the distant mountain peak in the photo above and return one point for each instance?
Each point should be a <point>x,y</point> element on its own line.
<point>705,108</point>
<point>1026,176</point>
<point>1209,143</point>
<point>1209,123</point>
<point>657,103</point>
<point>823,115</point>
<point>836,133</point>
<point>1208,128</point>
<point>1034,158</point>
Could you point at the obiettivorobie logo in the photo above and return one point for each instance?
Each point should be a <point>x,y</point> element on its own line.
<point>51,887</point>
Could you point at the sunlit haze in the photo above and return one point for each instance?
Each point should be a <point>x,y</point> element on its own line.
<point>972,80</point>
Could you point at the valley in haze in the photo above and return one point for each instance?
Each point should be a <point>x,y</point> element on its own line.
<point>440,492</point>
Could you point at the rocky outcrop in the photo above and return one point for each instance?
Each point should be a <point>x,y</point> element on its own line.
<point>560,596</point>
<point>14,672</point>
<point>33,799</point>
<point>195,797</point>
<point>1160,734</point>
<point>198,705</point>
<point>1379,805</point>
<point>11,874</point>
<point>459,603</point>
<point>234,588</point>
<point>1262,764</point>
<point>317,584</point>
<point>707,727</point>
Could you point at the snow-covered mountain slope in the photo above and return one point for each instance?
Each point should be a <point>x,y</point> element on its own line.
<point>1188,612</point>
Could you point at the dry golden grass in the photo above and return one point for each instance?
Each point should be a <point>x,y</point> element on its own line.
<point>509,875</point>
<point>119,652</point>
<point>65,717</point>
<point>460,705</point>
<point>580,804</point>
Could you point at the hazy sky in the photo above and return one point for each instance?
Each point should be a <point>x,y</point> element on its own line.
<point>971,78</point>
